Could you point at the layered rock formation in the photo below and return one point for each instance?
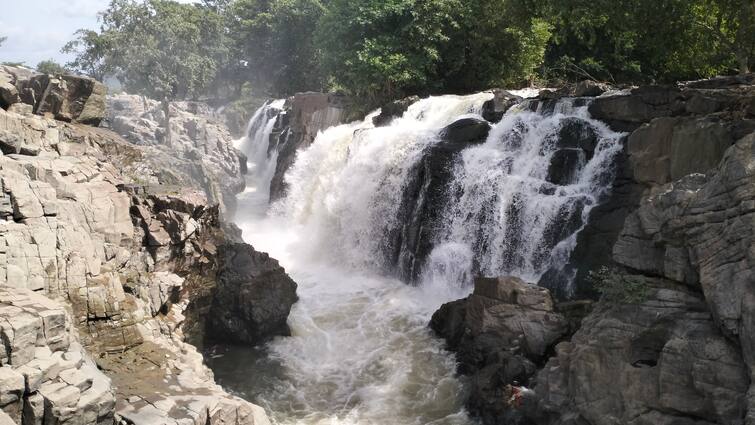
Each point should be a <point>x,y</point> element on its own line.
<point>132,264</point>
<point>680,222</point>
<point>200,154</point>
<point>305,115</point>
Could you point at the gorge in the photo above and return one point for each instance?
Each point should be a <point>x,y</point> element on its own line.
<point>430,254</point>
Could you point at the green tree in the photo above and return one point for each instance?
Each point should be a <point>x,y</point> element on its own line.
<point>385,49</point>
<point>158,48</point>
<point>51,67</point>
<point>273,40</point>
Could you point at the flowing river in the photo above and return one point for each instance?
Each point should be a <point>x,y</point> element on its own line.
<point>361,351</point>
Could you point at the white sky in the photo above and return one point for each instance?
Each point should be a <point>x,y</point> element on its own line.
<point>38,29</point>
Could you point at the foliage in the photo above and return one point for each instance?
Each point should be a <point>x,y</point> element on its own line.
<point>273,40</point>
<point>647,40</point>
<point>615,286</point>
<point>2,40</point>
<point>159,48</point>
<point>51,67</point>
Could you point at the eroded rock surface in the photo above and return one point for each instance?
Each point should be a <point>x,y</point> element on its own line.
<point>133,262</point>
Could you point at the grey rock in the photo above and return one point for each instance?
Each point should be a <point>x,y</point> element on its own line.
<point>494,109</point>
<point>393,110</point>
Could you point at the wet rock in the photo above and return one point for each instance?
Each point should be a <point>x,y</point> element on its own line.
<point>499,334</point>
<point>253,298</point>
<point>589,88</point>
<point>494,109</point>
<point>393,110</point>
<point>305,114</point>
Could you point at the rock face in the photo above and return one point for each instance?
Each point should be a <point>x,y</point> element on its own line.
<point>680,220</point>
<point>500,334</point>
<point>254,296</point>
<point>201,152</point>
<point>46,376</point>
<point>69,98</point>
<point>135,264</point>
<point>393,110</point>
<point>306,114</point>
<point>662,361</point>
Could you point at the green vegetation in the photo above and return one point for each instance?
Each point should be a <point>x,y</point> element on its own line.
<point>384,49</point>
<point>51,67</point>
<point>616,286</point>
<point>2,40</point>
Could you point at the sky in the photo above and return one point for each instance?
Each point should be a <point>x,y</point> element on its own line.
<point>38,29</point>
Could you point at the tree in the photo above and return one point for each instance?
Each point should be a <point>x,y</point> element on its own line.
<point>274,40</point>
<point>2,40</point>
<point>158,48</point>
<point>51,67</point>
<point>385,49</point>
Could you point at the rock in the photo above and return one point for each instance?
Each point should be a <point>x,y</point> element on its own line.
<point>8,90</point>
<point>201,155</point>
<point>70,98</point>
<point>589,88</point>
<point>660,361</point>
<point>254,297</point>
<point>426,190</point>
<point>393,110</point>
<point>494,109</point>
<point>668,149</point>
<point>305,114</point>
<point>499,333</point>
<point>465,130</point>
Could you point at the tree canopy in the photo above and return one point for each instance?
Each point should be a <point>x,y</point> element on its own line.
<point>384,49</point>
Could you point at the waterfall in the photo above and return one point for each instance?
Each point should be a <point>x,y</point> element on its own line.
<point>261,159</point>
<point>519,200</point>
<point>436,197</point>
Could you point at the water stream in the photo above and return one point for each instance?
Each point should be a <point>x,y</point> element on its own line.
<point>361,352</point>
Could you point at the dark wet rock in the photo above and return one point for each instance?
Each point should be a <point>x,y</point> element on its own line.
<point>590,88</point>
<point>305,114</point>
<point>393,110</point>
<point>500,334</point>
<point>494,109</point>
<point>253,298</point>
<point>426,192</point>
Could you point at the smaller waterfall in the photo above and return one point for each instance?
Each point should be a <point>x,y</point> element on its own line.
<point>261,159</point>
<point>520,199</point>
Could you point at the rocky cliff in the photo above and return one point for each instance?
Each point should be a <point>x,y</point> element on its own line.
<point>679,230</point>
<point>108,266</point>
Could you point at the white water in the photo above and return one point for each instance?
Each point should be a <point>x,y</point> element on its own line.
<point>504,208</point>
<point>261,159</point>
<point>361,352</point>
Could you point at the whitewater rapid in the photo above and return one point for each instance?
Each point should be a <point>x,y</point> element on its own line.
<point>360,350</point>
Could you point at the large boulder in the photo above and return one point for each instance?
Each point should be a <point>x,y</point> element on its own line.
<point>393,110</point>
<point>500,334</point>
<point>494,109</point>
<point>70,98</point>
<point>253,298</point>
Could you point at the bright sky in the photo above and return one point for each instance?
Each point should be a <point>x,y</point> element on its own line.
<point>37,29</point>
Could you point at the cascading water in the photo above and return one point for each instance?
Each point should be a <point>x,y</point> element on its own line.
<point>518,200</point>
<point>361,352</point>
<point>261,159</point>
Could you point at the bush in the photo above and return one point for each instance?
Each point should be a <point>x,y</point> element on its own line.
<point>616,286</point>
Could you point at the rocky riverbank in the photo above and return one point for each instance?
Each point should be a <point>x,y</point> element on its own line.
<point>679,229</point>
<point>111,259</point>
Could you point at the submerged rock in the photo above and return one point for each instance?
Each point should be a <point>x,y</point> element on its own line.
<point>393,110</point>
<point>494,109</point>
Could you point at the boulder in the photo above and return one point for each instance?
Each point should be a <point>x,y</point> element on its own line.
<point>465,131</point>
<point>393,110</point>
<point>70,98</point>
<point>500,334</point>
<point>253,298</point>
<point>494,109</point>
